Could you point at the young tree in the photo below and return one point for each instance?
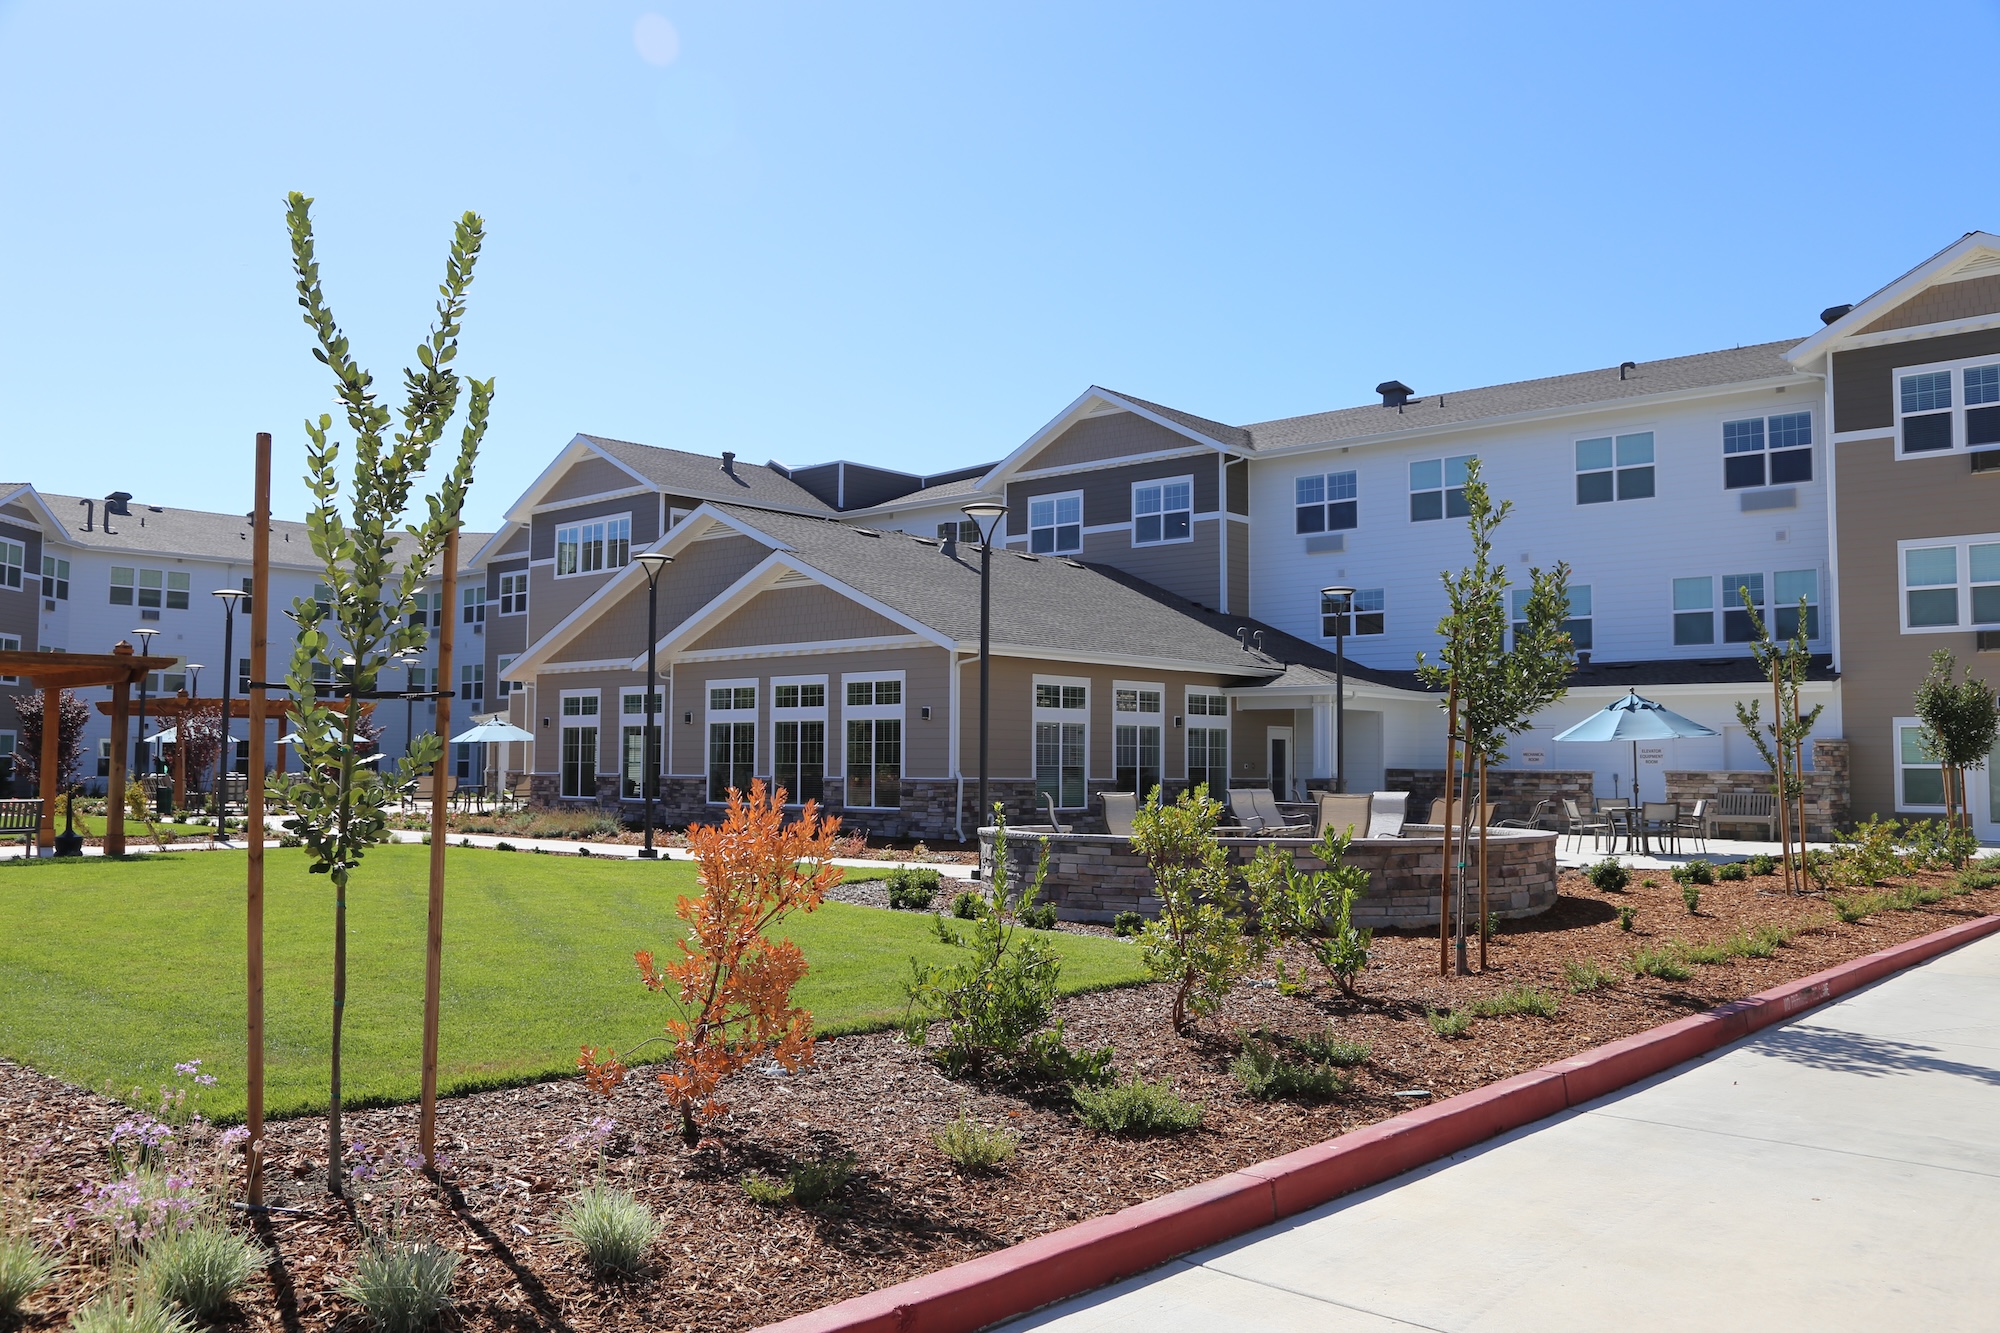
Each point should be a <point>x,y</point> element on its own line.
<point>72,716</point>
<point>1780,741</point>
<point>1316,906</point>
<point>1960,722</point>
<point>198,732</point>
<point>372,563</point>
<point>1198,941</point>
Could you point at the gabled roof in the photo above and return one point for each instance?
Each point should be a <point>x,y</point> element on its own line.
<point>155,530</point>
<point>1976,253</point>
<point>22,492</point>
<point>701,476</point>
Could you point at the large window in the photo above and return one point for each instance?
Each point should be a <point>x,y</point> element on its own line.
<point>579,745</point>
<point>1437,488</point>
<point>1208,742</point>
<point>55,578</point>
<point>1326,502</point>
<point>588,548</point>
<point>1162,511</point>
<point>1363,613</point>
<point>1761,451</point>
<point>502,687</point>
<point>473,599</point>
<point>1775,597</point>
<point>1951,584</point>
<point>1137,724</point>
<point>732,738</point>
<point>1614,467</point>
<point>1788,588</point>
<point>1694,610</point>
<point>472,683</point>
<point>798,712</point>
<point>10,643</point>
<point>426,608</point>
<point>149,587</point>
<point>514,594</point>
<point>1949,405</point>
<point>1055,523</point>
<point>964,531</point>
<point>874,716</point>
<point>1919,775</point>
<point>1062,730</point>
<point>638,748</point>
<point>1736,622</point>
<point>12,556</point>
<point>1577,625</point>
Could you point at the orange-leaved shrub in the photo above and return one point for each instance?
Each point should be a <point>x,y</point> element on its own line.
<point>733,982</point>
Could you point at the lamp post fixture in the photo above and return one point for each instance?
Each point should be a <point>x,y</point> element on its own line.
<point>229,597</point>
<point>145,638</point>
<point>986,516</point>
<point>1344,598</point>
<point>649,780</point>
<point>191,673</point>
<point>409,657</point>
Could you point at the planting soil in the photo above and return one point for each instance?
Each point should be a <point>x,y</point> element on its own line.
<point>725,1262</point>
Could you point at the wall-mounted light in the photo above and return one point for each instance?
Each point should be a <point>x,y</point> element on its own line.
<point>545,722</point>
<point>927,712</point>
<point>687,718</point>
<point>1177,721</point>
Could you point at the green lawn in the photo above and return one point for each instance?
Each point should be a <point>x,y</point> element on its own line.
<point>92,826</point>
<point>110,972</point>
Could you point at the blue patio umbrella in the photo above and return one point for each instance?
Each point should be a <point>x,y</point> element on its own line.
<point>1634,719</point>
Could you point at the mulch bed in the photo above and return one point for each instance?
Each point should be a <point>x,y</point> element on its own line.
<point>726,1263</point>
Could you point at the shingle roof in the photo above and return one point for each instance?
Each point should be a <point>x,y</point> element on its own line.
<point>1691,671</point>
<point>701,476</point>
<point>1235,436</point>
<point>944,490</point>
<point>1038,602</point>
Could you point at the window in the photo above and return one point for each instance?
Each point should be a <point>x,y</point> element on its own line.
<point>1785,440</point>
<point>1162,511</point>
<point>502,687</point>
<point>323,599</point>
<point>246,583</point>
<point>965,531</point>
<point>1919,775</point>
<point>1947,406</point>
<point>1788,588</point>
<point>1949,584</point>
<point>9,644</point>
<point>1136,728</point>
<point>1326,503</point>
<point>243,676</point>
<point>7,744</point>
<point>674,517</point>
<point>55,578</point>
<point>1208,742</point>
<point>1061,722</point>
<point>1577,626</point>
<point>1055,524</point>
<point>426,608</point>
<point>732,738</point>
<point>1364,614</point>
<point>1614,468</point>
<point>588,548</point>
<point>12,556</point>
<point>874,717</point>
<point>473,600</point>
<point>1736,622</point>
<point>514,594</point>
<point>798,711</point>
<point>472,683</point>
<point>638,751</point>
<point>149,588</point>
<point>1694,611</point>
<point>1437,488</point>
<point>579,745</point>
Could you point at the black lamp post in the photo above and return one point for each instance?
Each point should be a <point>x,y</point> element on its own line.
<point>230,597</point>
<point>986,516</point>
<point>649,780</point>
<point>145,638</point>
<point>192,674</point>
<point>1344,598</point>
<point>409,658</point>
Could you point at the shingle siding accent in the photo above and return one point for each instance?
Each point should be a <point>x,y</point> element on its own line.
<point>1945,302</point>
<point>590,476</point>
<point>701,574</point>
<point>1095,439</point>
<point>796,615</point>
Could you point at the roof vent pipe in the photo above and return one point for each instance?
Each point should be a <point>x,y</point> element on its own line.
<point>1243,637</point>
<point>1624,366</point>
<point>1394,393</point>
<point>120,503</point>
<point>1834,312</point>
<point>89,514</point>
<point>729,461</point>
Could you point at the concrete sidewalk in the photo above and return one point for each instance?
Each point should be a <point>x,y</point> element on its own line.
<point>1838,1172</point>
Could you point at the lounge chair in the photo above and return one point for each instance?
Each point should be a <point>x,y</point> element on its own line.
<point>1576,825</point>
<point>1458,811</point>
<point>1049,804</point>
<point>1344,812</point>
<point>1385,813</point>
<point>1119,807</point>
<point>1257,810</point>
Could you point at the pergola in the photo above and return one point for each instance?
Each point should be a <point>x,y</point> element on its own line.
<point>178,706</point>
<point>52,673</point>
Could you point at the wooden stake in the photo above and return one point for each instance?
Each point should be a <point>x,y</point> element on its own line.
<point>253,903</point>
<point>114,805</point>
<point>50,776</point>
<point>181,753</point>
<point>1799,777</point>
<point>1482,862</point>
<point>1778,749</point>
<point>1444,869</point>
<point>440,836</point>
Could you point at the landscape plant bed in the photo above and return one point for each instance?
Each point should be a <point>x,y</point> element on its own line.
<point>724,1262</point>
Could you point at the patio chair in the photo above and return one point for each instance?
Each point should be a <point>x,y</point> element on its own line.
<point>1543,810</point>
<point>1342,812</point>
<point>1437,812</point>
<point>1385,813</point>
<point>1119,807</point>
<point>518,792</point>
<point>1694,825</point>
<point>1662,819</point>
<point>1576,825</point>
<point>1049,804</point>
<point>1257,810</point>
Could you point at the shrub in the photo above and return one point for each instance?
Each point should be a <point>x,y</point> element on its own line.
<point>1316,906</point>
<point>1651,883</point>
<point>733,981</point>
<point>1663,962</point>
<point>142,1312</point>
<point>1609,875</point>
<point>1128,923</point>
<point>1041,916</point>
<point>1587,975</point>
<point>1759,945</point>
<point>1732,872</point>
<point>610,1226</point>
<point>1853,907</point>
<point>1515,1000</point>
<point>201,1269</point>
<point>966,906</point>
<point>1708,955</point>
<point>402,1285</point>
<point>24,1270</point>
<point>913,889</point>
<point>1329,1049</point>
<point>1626,915</point>
<point>1691,896</point>
<point>815,1182</point>
<point>1198,942</point>
<point>504,846</point>
<point>973,1147</point>
<point>1449,1022</point>
<point>1869,853</point>
<point>1763,863</point>
<point>1694,872</point>
<point>768,1193</point>
<point>1266,1073</point>
<point>1137,1109</point>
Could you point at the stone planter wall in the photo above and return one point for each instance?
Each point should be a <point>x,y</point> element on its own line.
<point>1093,877</point>
<point>1826,793</point>
<point>1514,791</point>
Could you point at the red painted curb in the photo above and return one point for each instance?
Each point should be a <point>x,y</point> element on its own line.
<point>1025,1277</point>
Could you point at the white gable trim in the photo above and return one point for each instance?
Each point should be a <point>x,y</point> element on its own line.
<point>1932,272</point>
<point>27,494</point>
<point>1093,402</point>
<point>761,578</point>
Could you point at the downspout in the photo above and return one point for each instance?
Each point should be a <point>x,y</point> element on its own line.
<point>1830,602</point>
<point>1222,534</point>
<point>957,757</point>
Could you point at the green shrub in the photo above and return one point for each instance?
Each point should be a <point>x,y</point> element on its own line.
<point>1853,907</point>
<point>1267,1073</point>
<point>913,888</point>
<point>1626,915</point>
<point>1708,955</point>
<point>974,1148</point>
<point>1200,942</point>
<point>1664,962</point>
<point>1763,863</point>
<point>768,1193</point>
<point>1329,1049</point>
<point>1609,875</point>
<point>1732,872</point>
<point>1651,883</point>
<point>1128,923</point>
<point>966,906</point>
<point>24,1270</point>
<point>402,1285</point>
<point>1770,938</point>
<point>1137,1109</point>
<point>610,1226</point>
<point>1694,872</point>
<point>201,1269</point>
<point>1691,897</point>
<point>143,1312</point>
<point>816,1182</point>
<point>1586,975</point>
<point>504,846</point>
<point>1449,1022</point>
<point>1315,907</point>
<point>1869,854</point>
<point>1041,916</point>
<point>1515,1000</point>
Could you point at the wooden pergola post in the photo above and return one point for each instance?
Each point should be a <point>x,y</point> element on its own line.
<point>51,760</point>
<point>114,804</point>
<point>253,911</point>
<point>440,837</point>
<point>180,751</point>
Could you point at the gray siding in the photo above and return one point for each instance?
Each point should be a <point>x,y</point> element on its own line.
<point>1095,439</point>
<point>798,615</point>
<point>1107,492</point>
<point>644,509</point>
<point>1863,396</point>
<point>590,476</point>
<point>1239,568</point>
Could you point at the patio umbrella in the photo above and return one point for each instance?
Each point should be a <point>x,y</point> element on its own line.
<point>492,733</point>
<point>1634,719</point>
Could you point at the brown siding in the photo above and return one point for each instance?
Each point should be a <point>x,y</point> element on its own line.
<point>797,615</point>
<point>1190,569</point>
<point>516,544</point>
<point>644,509</point>
<point>590,476</point>
<point>1013,692</point>
<point>701,574</point>
<point>548,703</point>
<point>1107,492</point>
<point>1239,486</point>
<point>1095,439</point>
<point>1863,397</point>
<point>1239,568</point>
<point>1946,301</point>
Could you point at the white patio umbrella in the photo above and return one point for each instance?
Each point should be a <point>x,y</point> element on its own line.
<point>1635,719</point>
<point>492,733</point>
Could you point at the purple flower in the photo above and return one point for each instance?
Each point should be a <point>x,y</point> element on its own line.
<point>232,1136</point>
<point>206,1080</point>
<point>188,1067</point>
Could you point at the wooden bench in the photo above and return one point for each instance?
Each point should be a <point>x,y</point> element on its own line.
<point>22,819</point>
<point>1742,807</point>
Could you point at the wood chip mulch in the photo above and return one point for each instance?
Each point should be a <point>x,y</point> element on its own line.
<point>727,1263</point>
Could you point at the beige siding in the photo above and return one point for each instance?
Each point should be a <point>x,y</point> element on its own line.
<point>1012,752</point>
<point>589,476</point>
<point>1190,569</point>
<point>1107,492</point>
<point>1942,303</point>
<point>701,574</point>
<point>796,615</point>
<point>516,544</point>
<point>1862,392</point>
<point>1095,439</point>
<point>1239,568</point>
<point>548,703</point>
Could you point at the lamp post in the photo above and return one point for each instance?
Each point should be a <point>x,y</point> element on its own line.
<point>145,638</point>
<point>649,781</point>
<point>986,516</point>
<point>1344,598</point>
<point>192,675</point>
<point>229,597</point>
<point>409,657</point>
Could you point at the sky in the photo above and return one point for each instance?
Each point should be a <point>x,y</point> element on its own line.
<point>911,234</point>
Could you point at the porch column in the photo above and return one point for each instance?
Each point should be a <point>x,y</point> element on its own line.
<point>1322,755</point>
<point>51,761</point>
<point>114,796</point>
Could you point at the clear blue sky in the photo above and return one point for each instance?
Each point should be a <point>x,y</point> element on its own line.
<point>909,234</point>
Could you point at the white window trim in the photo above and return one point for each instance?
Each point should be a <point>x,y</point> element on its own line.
<point>1207,719</point>
<point>1722,467</point>
<point>859,711</point>
<point>576,524</point>
<point>639,692</point>
<point>1155,686</point>
<point>708,688</point>
<point>1965,623</point>
<point>1319,613</point>
<point>1037,714</point>
<point>638,721</point>
<point>504,688</point>
<point>1325,477</point>
<point>1442,490</point>
<point>567,695</point>
<point>520,595</point>
<point>802,712</point>
<point>565,721</point>
<point>1028,531</point>
<point>1896,726</point>
<point>832,765</point>
<point>19,564</point>
<point>1162,483</point>
<point>1957,411</point>
<point>1616,468</point>
<point>12,644</point>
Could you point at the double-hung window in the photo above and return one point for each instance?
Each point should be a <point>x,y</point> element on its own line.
<point>243,675</point>
<point>502,687</point>
<point>1951,405</point>
<point>1361,613</point>
<point>473,600</point>
<point>1789,587</point>
<point>1919,774</point>
<point>963,531</point>
<point>638,745</point>
<point>1951,584</point>
<point>1577,625</point>
<point>1137,726</point>
<point>1694,610</point>
<point>55,578</point>
<point>1437,488</point>
<point>595,546</point>
<point>732,738</point>
<point>798,719</point>
<point>579,744</point>
<point>10,643</point>
<point>1614,467</point>
<point>1062,733</point>
<point>1162,511</point>
<point>149,587</point>
<point>1208,742</point>
<point>1775,598</point>
<point>12,556</point>
<point>472,683</point>
<point>426,608</point>
<point>1055,524</point>
<point>1767,451</point>
<point>514,594</point>
<point>1326,502</point>
<point>1737,624</point>
<point>873,712</point>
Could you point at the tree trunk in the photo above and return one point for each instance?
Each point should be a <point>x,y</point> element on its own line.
<point>1482,864</point>
<point>333,1182</point>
